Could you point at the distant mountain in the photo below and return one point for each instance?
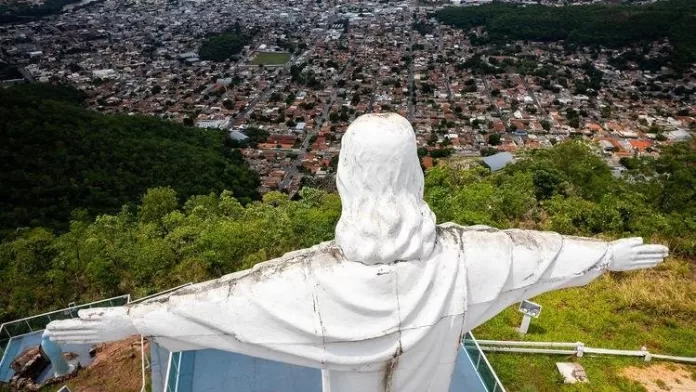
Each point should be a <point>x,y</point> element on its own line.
<point>56,156</point>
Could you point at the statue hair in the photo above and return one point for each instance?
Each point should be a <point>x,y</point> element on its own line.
<point>384,217</point>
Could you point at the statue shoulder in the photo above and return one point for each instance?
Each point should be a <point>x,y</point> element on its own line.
<point>290,264</point>
<point>302,255</point>
<point>455,232</point>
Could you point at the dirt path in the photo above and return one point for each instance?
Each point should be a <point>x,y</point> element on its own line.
<point>663,377</point>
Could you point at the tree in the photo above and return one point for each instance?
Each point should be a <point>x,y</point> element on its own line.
<point>547,182</point>
<point>355,100</point>
<point>157,202</point>
<point>545,124</point>
<point>494,139</point>
<point>220,47</point>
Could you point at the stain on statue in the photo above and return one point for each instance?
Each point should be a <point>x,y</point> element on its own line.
<point>384,305</point>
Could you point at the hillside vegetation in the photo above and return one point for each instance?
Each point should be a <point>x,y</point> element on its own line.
<point>594,25</point>
<point>57,157</point>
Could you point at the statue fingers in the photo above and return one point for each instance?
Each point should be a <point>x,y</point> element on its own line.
<point>93,314</point>
<point>75,340</point>
<point>73,332</point>
<point>633,241</point>
<point>70,325</point>
<point>650,256</point>
<point>643,264</point>
<point>653,249</point>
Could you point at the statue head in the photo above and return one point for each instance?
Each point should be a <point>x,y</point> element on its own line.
<point>380,181</point>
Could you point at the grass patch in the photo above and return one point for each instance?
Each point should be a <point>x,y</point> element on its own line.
<point>655,308</point>
<point>270,58</point>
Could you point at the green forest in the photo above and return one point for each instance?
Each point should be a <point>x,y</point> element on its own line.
<point>59,160</point>
<point>608,25</point>
<point>222,46</point>
<point>14,12</point>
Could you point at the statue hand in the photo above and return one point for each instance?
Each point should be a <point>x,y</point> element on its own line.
<point>95,325</point>
<point>630,254</point>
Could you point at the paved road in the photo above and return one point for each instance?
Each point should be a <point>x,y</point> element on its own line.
<point>493,101</point>
<point>534,97</point>
<point>292,168</point>
<point>411,83</point>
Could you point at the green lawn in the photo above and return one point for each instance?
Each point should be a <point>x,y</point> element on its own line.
<point>271,58</point>
<point>656,309</point>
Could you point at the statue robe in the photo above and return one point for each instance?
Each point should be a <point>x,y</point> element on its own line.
<point>385,327</point>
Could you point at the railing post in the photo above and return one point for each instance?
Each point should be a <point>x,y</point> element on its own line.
<point>646,354</point>
<point>27,322</point>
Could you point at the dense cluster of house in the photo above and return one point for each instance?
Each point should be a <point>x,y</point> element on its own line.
<point>313,66</point>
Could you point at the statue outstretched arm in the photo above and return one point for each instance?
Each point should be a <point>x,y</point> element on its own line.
<point>506,266</point>
<point>267,312</point>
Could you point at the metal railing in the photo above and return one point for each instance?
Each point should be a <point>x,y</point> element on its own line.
<point>484,369</point>
<point>173,289</point>
<point>31,324</point>
<point>171,380</point>
<point>572,348</point>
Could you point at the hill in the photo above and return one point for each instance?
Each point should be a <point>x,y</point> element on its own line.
<point>56,156</point>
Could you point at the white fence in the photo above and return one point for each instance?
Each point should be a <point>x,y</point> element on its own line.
<point>577,348</point>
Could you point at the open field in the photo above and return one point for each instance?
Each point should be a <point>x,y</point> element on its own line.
<point>656,309</point>
<point>270,58</point>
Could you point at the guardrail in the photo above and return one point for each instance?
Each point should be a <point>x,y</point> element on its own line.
<point>484,369</point>
<point>160,293</point>
<point>31,324</point>
<point>577,348</point>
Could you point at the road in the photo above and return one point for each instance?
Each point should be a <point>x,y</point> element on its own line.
<point>411,83</point>
<point>292,168</point>
<point>493,101</point>
<point>531,94</point>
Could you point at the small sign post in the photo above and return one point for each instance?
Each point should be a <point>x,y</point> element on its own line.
<point>528,309</point>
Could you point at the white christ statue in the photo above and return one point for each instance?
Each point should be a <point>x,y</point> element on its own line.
<point>383,306</point>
